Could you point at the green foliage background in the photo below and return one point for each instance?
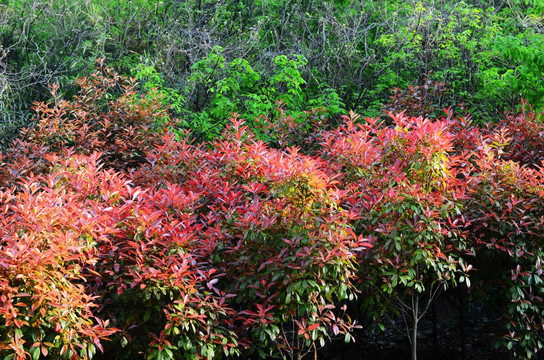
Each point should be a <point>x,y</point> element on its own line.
<point>290,69</point>
<point>212,58</point>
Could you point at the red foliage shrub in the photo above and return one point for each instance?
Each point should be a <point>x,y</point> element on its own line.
<point>81,234</point>
<point>96,237</point>
<point>272,226</point>
<point>235,247</point>
<point>404,194</point>
<point>44,306</point>
<point>107,115</point>
<point>504,217</point>
<point>21,160</point>
<point>524,137</point>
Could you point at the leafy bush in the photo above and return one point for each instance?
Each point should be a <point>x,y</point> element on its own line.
<point>403,194</point>
<point>82,234</point>
<point>523,137</point>
<point>272,227</point>
<point>222,88</point>
<point>122,236</point>
<point>107,115</point>
<point>45,307</point>
<point>159,259</point>
<point>503,215</point>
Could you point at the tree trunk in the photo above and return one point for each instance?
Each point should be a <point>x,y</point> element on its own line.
<point>462,308</point>
<point>435,330</point>
<point>415,320</point>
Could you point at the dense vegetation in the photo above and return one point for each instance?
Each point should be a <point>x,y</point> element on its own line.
<point>207,189</point>
<point>209,58</point>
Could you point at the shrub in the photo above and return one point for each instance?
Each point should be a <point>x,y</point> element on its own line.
<point>403,194</point>
<point>504,215</point>
<point>45,307</point>
<point>107,115</point>
<point>273,228</point>
<point>81,248</point>
<point>524,137</point>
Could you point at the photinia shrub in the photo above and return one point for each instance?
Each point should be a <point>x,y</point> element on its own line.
<point>148,277</point>
<point>403,194</point>
<point>504,215</point>
<point>122,239</point>
<point>45,308</point>
<point>272,227</point>
<point>20,161</point>
<point>82,250</point>
<point>525,135</point>
<point>107,115</point>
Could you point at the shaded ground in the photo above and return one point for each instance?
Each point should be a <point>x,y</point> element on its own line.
<point>444,343</point>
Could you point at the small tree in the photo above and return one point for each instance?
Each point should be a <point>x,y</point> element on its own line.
<point>504,213</point>
<point>404,194</point>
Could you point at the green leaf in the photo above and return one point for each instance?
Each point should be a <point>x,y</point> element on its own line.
<point>35,352</point>
<point>123,341</point>
<point>394,280</point>
<point>147,315</point>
